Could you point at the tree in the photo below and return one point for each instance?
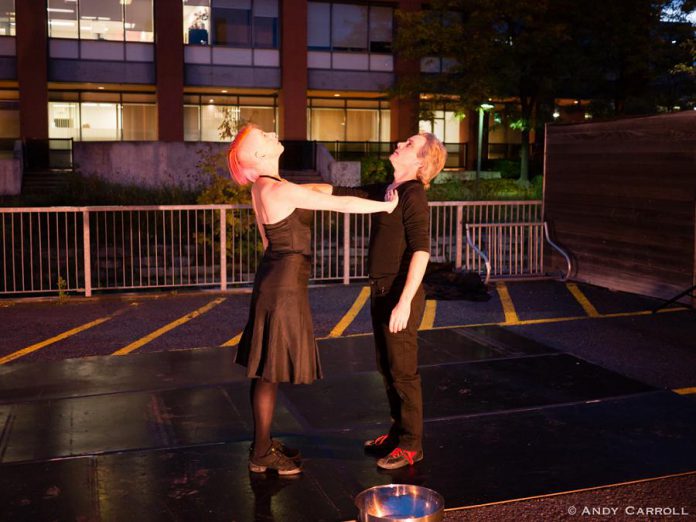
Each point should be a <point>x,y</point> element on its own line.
<point>534,51</point>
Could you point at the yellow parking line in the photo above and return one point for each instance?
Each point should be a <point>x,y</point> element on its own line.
<point>234,341</point>
<point>582,299</point>
<point>52,340</point>
<point>548,320</point>
<point>428,320</point>
<point>511,316</point>
<point>161,331</point>
<point>685,391</point>
<point>352,313</point>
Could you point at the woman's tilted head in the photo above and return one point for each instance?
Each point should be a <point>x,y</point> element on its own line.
<point>237,162</point>
<point>253,152</point>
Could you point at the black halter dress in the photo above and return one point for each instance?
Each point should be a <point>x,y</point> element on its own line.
<point>278,341</point>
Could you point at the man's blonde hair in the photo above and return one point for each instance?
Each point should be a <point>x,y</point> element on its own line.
<point>433,155</point>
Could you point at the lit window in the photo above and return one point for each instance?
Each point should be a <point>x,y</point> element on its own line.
<point>7,18</point>
<point>122,20</point>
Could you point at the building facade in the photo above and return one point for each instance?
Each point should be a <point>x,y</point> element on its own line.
<point>172,70</point>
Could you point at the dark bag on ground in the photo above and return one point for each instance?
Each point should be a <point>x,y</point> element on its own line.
<point>443,283</point>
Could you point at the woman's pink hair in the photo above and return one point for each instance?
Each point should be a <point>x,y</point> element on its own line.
<point>240,173</point>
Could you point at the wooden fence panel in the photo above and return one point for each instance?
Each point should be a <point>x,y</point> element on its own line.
<point>620,196</point>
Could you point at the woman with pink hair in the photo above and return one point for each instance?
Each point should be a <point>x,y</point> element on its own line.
<point>278,343</point>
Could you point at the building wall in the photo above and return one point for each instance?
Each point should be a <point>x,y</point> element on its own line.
<point>620,196</point>
<point>152,164</point>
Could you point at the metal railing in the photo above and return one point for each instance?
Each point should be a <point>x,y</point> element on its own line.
<point>510,249</point>
<point>86,249</point>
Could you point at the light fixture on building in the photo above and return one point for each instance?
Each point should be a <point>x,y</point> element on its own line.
<point>556,115</point>
<point>100,88</point>
<point>224,91</point>
<point>588,116</point>
<point>126,2</point>
<point>210,100</point>
<point>576,102</point>
<point>336,95</point>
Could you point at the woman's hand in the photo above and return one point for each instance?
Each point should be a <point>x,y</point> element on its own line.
<point>392,199</point>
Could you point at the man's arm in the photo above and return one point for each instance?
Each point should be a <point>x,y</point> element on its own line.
<point>402,310</point>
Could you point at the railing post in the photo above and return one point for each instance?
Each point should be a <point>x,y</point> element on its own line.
<point>346,249</point>
<point>458,237</point>
<point>223,249</point>
<point>87,254</point>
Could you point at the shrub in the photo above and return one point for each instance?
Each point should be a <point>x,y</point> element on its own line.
<point>375,170</point>
<point>487,190</point>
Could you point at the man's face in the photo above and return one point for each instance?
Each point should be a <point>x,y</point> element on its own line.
<point>406,153</point>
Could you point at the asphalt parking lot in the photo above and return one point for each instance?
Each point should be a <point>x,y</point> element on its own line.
<point>613,329</point>
<point>588,423</point>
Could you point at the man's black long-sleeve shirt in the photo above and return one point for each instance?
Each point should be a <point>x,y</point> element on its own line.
<point>395,237</point>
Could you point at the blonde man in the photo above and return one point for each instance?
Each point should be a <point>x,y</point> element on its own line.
<point>398,256</point>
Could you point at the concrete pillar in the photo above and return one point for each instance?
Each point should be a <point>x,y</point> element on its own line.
<point>468,128</point>
<point>292,102</point>
<point>404,111</point>
<point>169,56</point>
<point>32,68</point>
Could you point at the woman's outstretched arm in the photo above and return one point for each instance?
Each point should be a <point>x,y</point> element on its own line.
<point>301,197</point>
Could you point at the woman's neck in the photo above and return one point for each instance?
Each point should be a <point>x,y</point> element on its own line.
<point>269,169</point>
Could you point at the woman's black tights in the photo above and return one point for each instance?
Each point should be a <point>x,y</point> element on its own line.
<point>263,400</point>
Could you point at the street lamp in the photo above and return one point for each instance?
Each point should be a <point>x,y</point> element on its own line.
<point>481,109</point>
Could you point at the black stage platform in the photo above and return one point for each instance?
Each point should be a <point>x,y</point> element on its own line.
<point>164,436</point>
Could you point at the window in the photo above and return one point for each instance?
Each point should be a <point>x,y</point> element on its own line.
<point>122,20</point>
<point>7,18</point>
<point>231,23</point>
<point>348,120</point>
<point>102,116</point>
<point>380,29</point>
<point>444,124</point>
<point>349,27</point>
<point>204,114</point>
<point>9,114</point>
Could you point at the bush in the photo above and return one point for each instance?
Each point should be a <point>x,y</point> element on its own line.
<point>488,190</point>
<point>509,169</point>
<point>375,170</point>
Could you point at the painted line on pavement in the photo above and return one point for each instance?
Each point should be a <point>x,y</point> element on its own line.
<point>166,328</point>
<point>511,316</point>
<point>56,338</point>
<point>428,320</point>
<point>352,313</point>
<point>581,298</point>
<point>234,341</point>
<point>547,320</point>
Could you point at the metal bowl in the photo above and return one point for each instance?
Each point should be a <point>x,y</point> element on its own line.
<point>400,502</point>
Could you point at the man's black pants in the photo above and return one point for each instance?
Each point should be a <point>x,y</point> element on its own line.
<point>397,361</point>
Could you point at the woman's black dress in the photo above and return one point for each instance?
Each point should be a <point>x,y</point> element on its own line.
<point>278,341</point>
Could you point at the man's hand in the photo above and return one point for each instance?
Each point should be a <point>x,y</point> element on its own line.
<point>399,316</point>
